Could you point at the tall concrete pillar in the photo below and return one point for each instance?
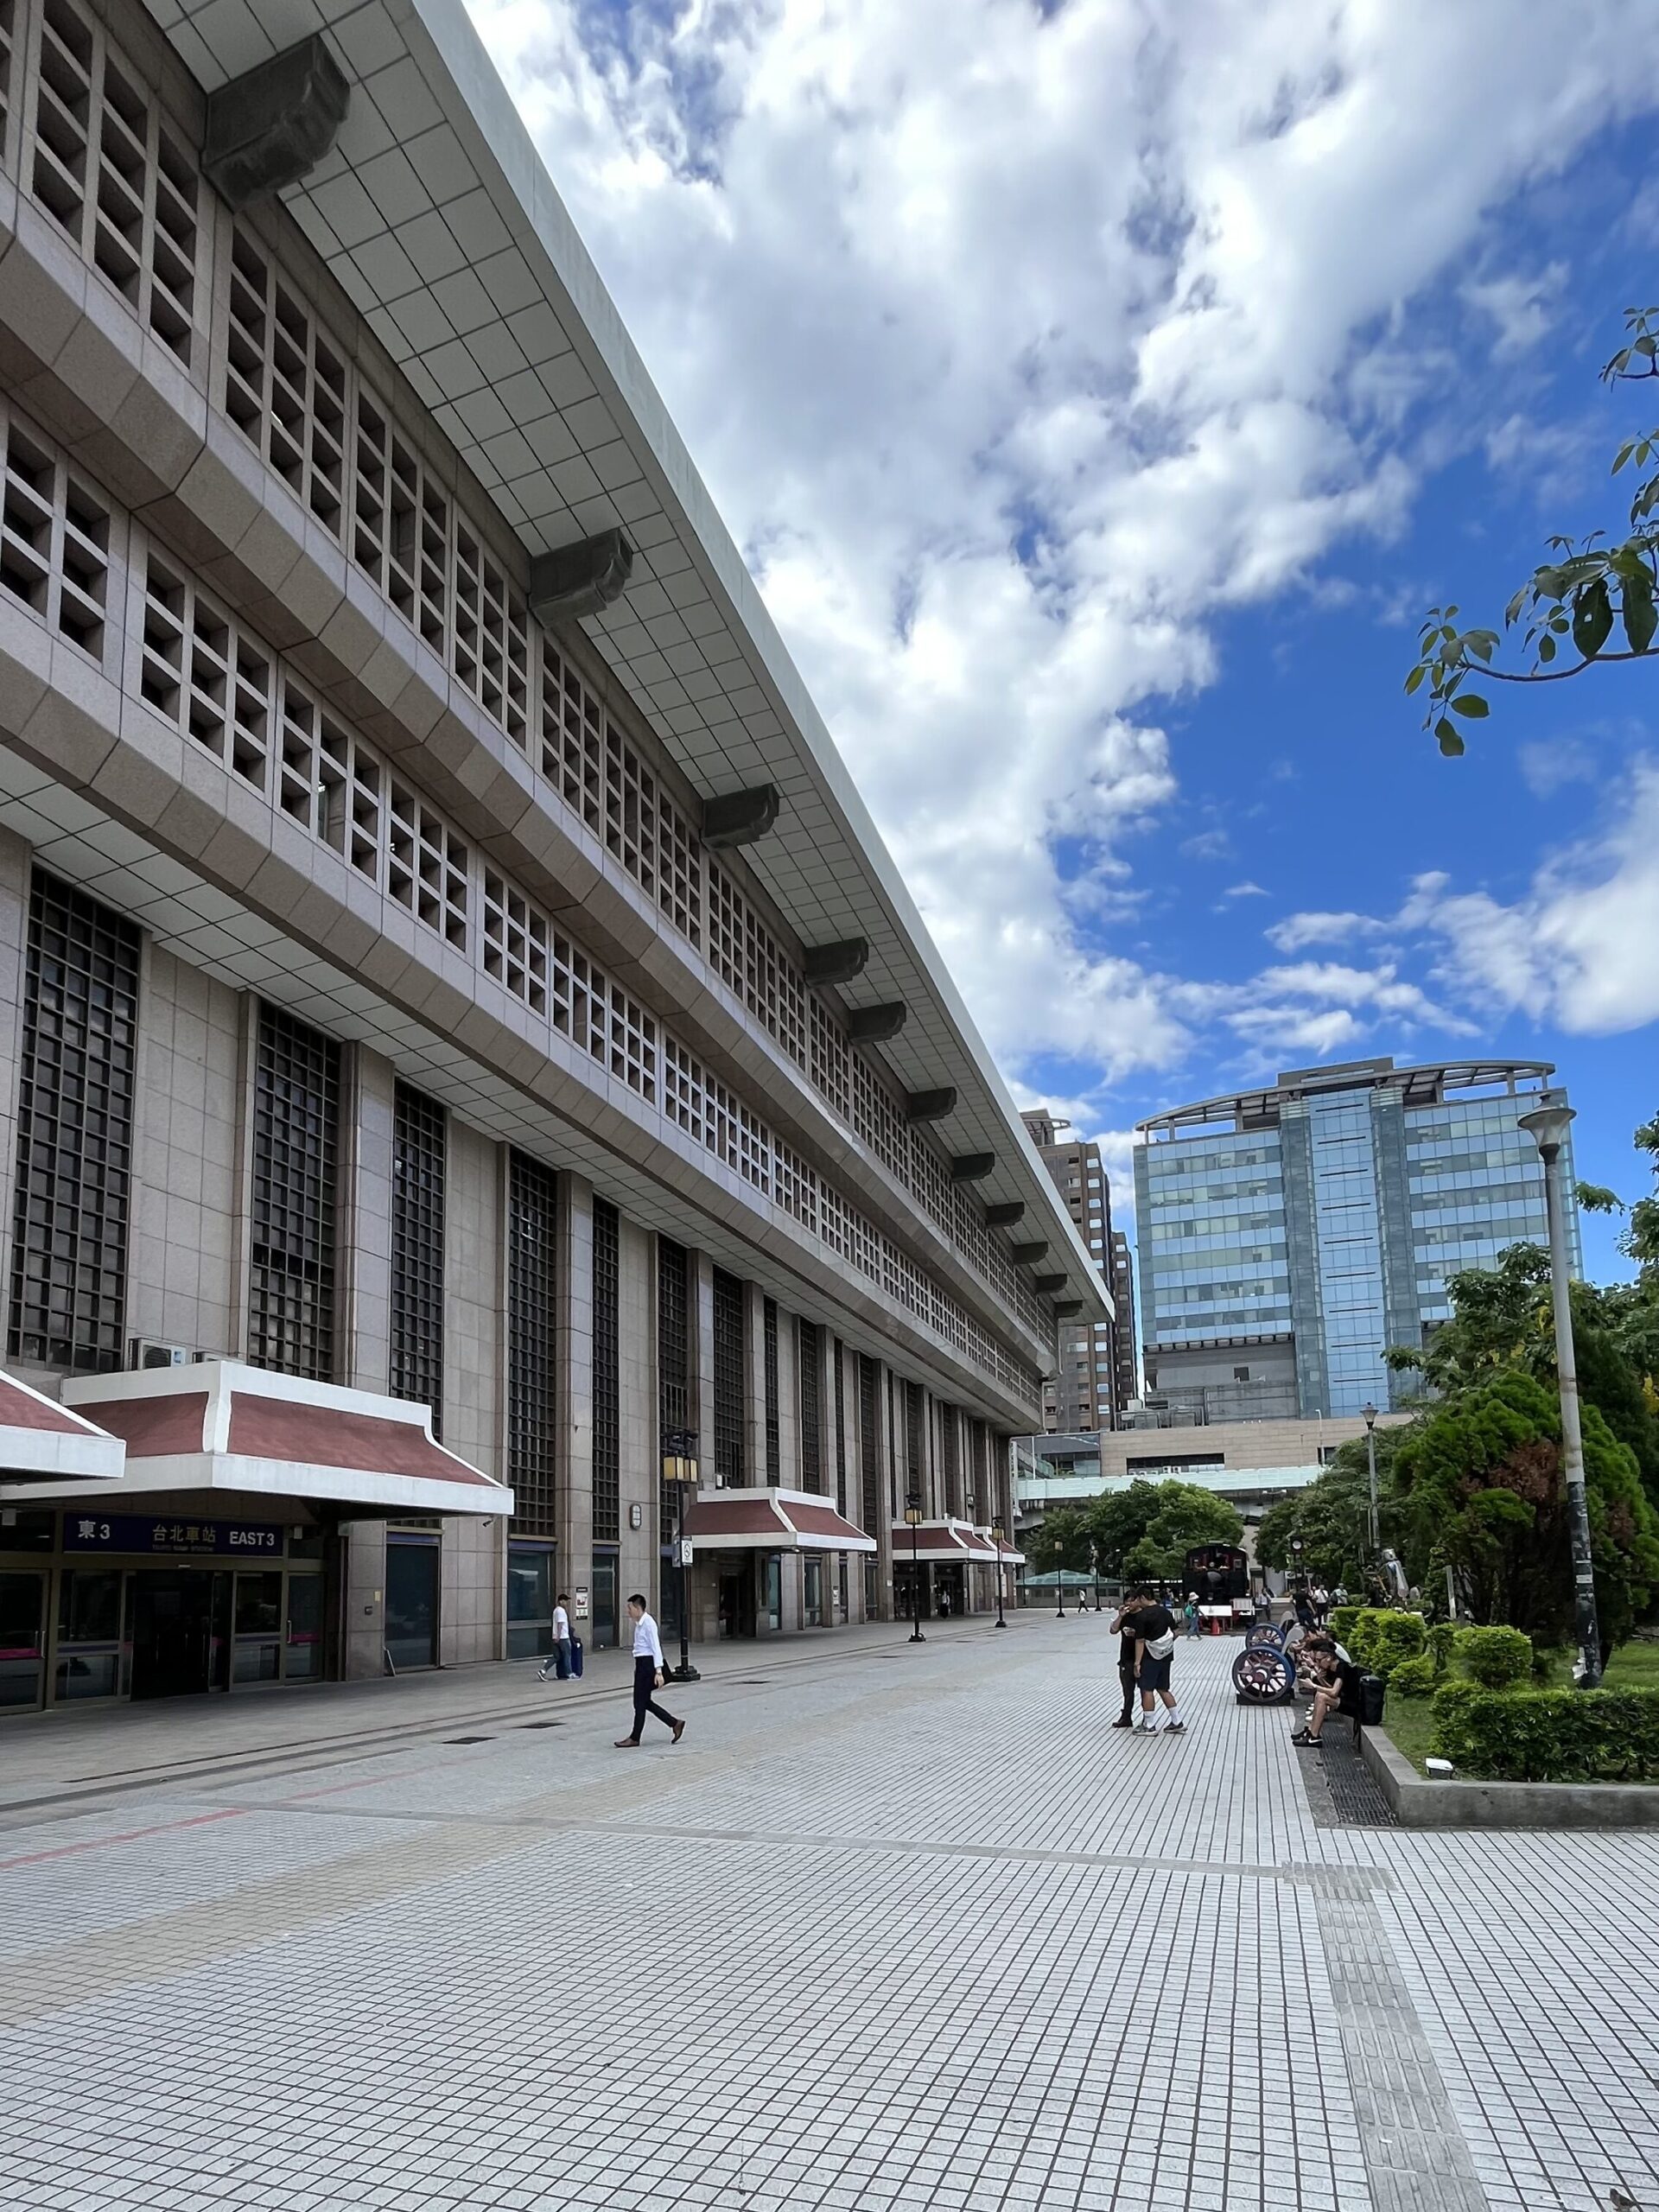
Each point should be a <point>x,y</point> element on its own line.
<point>639,1467</point>
<point>573,1390</point>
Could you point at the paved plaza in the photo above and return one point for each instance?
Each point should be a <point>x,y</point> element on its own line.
<point>892,1927</point>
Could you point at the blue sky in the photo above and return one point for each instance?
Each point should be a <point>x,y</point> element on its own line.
<point>1100,392</point>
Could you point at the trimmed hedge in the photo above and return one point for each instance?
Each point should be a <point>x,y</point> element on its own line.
<point>1342,1621</point>
<point>1414,1677</point>
<point>1498,1658</point>
<point>1442,1638</point>
<point>1548,1735</point>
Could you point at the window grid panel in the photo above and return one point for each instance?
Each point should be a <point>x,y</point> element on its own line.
<point>809,1358</point>
<point>7,55</point>
<point>532,1278</point>
<point>950,1459</point>
<point>838,1354</point>
<point>728,1365</point>
<point>417,1238</point>
<point>400,524</point>
<point>74,1132</point>
<point>296,1145</point>
<point>491,655</point>
<point>114,177</point>
<point>54,540</point>
<point>673,1356</point>
<point>769,1365</point>
<point>869,1436</point>
<point>199,670</point>
<point>745,956</point>
<point>285,385</point>
<point>608,1405</point>
<point>915,1442</point>
<point>646,832</point>
<point>427,866</point>
<point>602,1021</point>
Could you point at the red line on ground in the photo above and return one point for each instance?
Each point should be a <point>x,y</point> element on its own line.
<point>129,1835</point>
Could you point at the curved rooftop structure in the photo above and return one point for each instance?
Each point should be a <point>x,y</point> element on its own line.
<point>1424,1085</point>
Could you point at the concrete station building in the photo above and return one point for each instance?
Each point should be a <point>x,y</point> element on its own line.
<point>460,1035</point>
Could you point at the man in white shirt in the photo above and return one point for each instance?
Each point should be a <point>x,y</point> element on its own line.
<point>561,1637</point>
<point>650,1673</point>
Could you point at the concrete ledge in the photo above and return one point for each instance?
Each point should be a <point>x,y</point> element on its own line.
<point>1418,1803</point>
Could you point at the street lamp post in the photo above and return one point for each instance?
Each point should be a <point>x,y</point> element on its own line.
<point>680,1468</point>
<point>996,1538</point>
<point>913,1516</point>
<point>1368,1414</point>
<point>1546,1125</point>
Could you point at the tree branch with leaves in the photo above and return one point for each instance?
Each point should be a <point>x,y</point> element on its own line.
<point>1581,602</point>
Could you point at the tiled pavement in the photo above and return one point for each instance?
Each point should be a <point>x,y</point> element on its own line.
<point>909,1930</point>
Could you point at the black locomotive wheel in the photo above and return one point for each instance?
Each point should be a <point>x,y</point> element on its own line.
<point>1261,1676</point>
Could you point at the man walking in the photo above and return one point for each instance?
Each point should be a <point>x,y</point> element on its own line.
<point>561,1637</point>
<point>650,1673</point>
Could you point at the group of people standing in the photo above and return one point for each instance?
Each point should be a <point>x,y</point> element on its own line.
<point>1145,1627</point>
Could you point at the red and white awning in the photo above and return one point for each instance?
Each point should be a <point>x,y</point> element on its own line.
<point>220,1425</point>
<point>42,1441</point>
<point>771,1520</point>
<point>949,1542</point>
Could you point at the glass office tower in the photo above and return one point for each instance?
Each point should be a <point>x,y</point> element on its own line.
<point>1289,1236</point>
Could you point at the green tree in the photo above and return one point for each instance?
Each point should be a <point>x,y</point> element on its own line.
<point>1632,1309</point>
<point>1063,1541</point>
<point>1331,1517</point>
<point>1477,1485</point>
<point>1148,1529</point>
<point>1502,1318</point>
<point>1588,604</point>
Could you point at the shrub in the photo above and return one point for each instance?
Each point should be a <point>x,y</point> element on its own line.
<point>1497,1658</point>
<point>1412,1677</point>
<point>1341,1620</point>
<point>1441,1639</point>
<point>1548,1735</point>
<point>1382,1639</point>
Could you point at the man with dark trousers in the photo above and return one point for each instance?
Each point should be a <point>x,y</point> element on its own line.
<point>650,1673</point>
<point>1123,1628</point>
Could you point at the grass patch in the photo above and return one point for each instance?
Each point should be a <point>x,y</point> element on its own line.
<point>1409,1725</point>
<point>1633,1666</point>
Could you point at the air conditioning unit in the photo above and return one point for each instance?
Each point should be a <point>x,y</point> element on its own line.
<point>144,1351</point>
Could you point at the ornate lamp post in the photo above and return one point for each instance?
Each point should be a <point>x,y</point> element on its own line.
<point>913,1518</point>
<point>680,1468</point>
<point>1368,1414</point>
<point>1546,1125</point>
<point>996,1538</point>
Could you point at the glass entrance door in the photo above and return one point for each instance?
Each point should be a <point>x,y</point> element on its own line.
<point>412,1603</point>
<point>172,1635</point>
<point>604,1605</point>
<point>23,1638</point>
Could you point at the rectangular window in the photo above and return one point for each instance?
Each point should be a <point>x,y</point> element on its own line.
<point>915,1442</point>
<point>950,1430</point>
<point>868,1443</point>
<point>532,1274</point>
<point>769,1349</point>
<point>74,1132</point>
<point>295,1148</point>
<point>673,1354</point>
<point>838,1354</point>
<point>418,1202</point>
<point>729,1393</point>
<point>809,1357</point>
<point>608,1413</point>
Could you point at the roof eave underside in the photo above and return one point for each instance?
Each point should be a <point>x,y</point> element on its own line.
<point>824,865</point>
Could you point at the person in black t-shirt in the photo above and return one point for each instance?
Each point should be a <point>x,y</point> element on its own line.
<point>1124,1630</point>
<point>1154,1625</point>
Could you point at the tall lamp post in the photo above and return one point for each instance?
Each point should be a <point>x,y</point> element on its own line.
<point>996,1538</point>
<point>1368,1414</point>
<point>1547,1125</point>
<point>680,1468</point>
<point>913,1517</point>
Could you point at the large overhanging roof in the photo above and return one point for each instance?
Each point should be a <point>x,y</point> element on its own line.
<point>1419,1086</point>
<point>435,213</point>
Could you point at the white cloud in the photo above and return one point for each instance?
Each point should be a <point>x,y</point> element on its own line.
<point>1016,346</point>
<point>1298,931</point>
<point>1522,308</point>
<point>1244,890</point>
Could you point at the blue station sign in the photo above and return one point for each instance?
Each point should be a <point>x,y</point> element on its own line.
<point>157,1535</point>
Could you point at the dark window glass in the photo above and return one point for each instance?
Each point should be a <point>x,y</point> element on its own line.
<point>296,1143</point>
<point>531,1234</point>
<point>673,1353</point>
<point>74,1132</point>
<point>809,1357</point>
<point>729,1377</point>
<point>915,1442</point>
<point>951,1431</point>
<point>418,1202</point>
<point>607,1402</point>
<point>838,1354</point>
<point>769,1353</point>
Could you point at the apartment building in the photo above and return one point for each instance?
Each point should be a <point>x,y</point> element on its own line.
<point>465,1055</point>
<point>1085,1391</point>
